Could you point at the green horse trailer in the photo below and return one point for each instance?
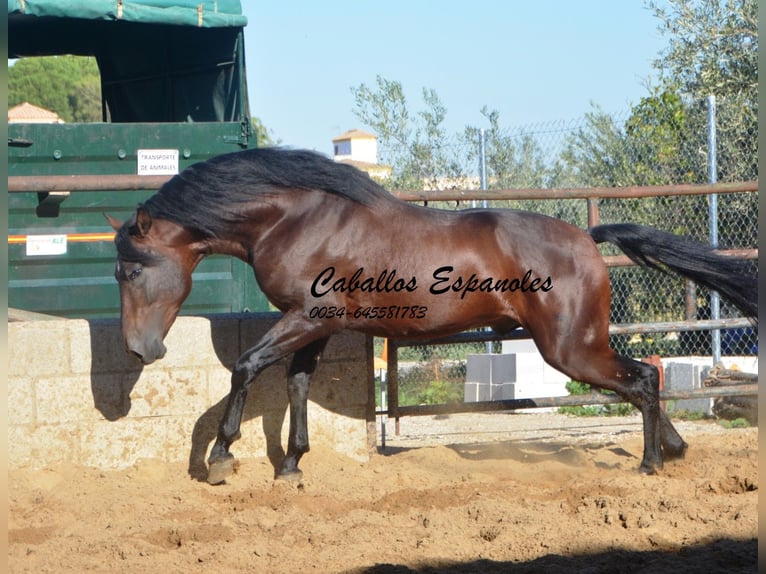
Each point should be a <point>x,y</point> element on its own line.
<point>173,93</point>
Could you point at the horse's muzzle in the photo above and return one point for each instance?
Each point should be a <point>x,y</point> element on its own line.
<point>147,353</point>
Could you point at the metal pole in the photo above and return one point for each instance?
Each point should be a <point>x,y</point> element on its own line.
<point>383,406</point>
<point>483,185</point>
<point>712,175</point>
<point>483,161</point>
<point>740,390</point>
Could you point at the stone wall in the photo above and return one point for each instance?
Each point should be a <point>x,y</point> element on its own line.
<point>75,396</point>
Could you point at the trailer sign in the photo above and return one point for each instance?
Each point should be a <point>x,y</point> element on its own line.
<point>157,161</point>
<point>46,245</point>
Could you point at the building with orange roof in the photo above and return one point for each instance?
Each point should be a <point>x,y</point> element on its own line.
<point>26,113</point>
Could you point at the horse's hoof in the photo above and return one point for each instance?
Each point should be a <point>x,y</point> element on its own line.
<point>649,469</point>
<point>221,468</point>
<point>293,476</point>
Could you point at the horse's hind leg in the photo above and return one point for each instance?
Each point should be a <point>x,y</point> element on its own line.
<point>673,446</point>
<point>639,383</point>
<point>636,382</point>
<point>301,368</point>
<point>642,391</point>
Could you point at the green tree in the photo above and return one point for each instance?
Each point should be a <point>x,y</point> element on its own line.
<point>67,85</point>
<point>416,147</point>
<point>713,50</point>
<point>514,160</point>
<point>712,46</point>
<point>595,154</point>
<point>263,135</point>
<point>71,87</point>
<point>660,142</point>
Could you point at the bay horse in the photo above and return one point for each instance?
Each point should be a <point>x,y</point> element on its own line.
<point>333,250</point>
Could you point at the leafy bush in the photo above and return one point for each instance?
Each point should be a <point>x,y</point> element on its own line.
<point>739,423</point>
<point>440,392</point>
<point>683,414</point>
<point>432,383</point>
<point>615,409</point>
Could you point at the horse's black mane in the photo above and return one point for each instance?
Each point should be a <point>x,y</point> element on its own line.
<point>205,196</point>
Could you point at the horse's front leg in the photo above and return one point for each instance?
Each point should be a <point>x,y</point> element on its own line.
<point>299,376</point>
<point>221,462</point>
<point>292,332</point>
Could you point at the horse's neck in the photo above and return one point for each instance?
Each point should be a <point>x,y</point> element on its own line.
<point>239,239</point>
<point>228,246</point>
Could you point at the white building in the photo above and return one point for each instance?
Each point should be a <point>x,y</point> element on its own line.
<point>360,149</point>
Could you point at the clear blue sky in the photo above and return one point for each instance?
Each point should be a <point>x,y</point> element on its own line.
<point>532,61</point>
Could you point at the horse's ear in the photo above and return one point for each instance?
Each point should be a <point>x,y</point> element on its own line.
<point>143,222</point>
<point>115,223</point>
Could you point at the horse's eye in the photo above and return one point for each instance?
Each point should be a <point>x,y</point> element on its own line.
<point>134,274</point>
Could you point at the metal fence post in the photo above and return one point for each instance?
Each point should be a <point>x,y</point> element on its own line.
<point>712,174</point>
<point>483,162</point>
<point>483,185</point>
<point>392,383</point>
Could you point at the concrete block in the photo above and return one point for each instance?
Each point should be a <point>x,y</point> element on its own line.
<point>166,392</point>
<point>474,392</point>
<point>218,384</point>
<point>503,369</point>
<point>225,338</point>
<point>150,397</point>
<point>686,376</point>
<point>521,390</point>
<point>38,348</point>
<point>37,446</point>
<point>181,434</point>
<point>263,436</point>
<point>502,392</point>
<point>21,401</point>
<point>270,388</point>
<point>111,394</point>
<point>75,395</point>
<point>64,400</point>
<point>97,348</point>
<point>347,346</point>
<point>252,327</point>
<point>189,342</point>
<point>346,434</point>
<point>478,368</point>
<point>332,383</point>
<point>471,392</point>
<point>187,393</point>
<point>119,444</point>
<point>530,365</point>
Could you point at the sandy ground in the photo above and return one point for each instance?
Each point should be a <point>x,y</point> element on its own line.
<point>489,493</point>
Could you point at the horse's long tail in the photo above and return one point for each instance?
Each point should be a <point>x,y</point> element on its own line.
<point>733,278</point>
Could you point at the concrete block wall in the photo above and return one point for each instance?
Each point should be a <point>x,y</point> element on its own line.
<point>689,373</point>
<point>518,373</point>
<point>75,396</point>
<point>688,376</point>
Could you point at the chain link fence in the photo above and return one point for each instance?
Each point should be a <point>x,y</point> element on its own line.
<point>667,144</point>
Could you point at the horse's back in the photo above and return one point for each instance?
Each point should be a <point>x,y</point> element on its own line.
<point>531,236</point>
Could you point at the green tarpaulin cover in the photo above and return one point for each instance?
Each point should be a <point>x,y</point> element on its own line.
<point>160,61</point>
<point>200,13</point>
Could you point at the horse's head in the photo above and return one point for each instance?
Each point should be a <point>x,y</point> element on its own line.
<point>155,259</point>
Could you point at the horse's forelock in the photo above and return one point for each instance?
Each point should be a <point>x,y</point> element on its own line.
<point>127,249</point>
